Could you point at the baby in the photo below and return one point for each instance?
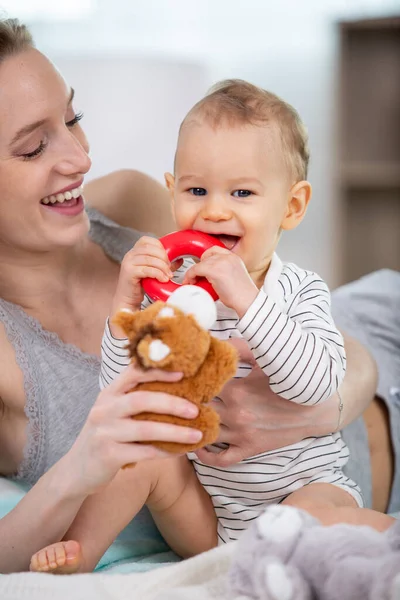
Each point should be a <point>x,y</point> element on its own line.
<point>240,175</point>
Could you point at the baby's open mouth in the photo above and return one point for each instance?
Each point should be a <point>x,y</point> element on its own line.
<point>229,241</point>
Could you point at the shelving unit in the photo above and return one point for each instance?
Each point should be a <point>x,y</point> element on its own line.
<point>369,148</point>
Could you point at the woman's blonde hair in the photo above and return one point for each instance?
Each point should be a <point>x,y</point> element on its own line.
<point>15,37</point>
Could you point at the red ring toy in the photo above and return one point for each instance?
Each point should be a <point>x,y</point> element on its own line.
<point>179,244</point>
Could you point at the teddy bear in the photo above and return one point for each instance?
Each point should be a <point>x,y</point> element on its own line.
<point>174,336</point>
<point>286,554</point>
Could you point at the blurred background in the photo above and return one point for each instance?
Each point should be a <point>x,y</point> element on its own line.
<point>138,65</point>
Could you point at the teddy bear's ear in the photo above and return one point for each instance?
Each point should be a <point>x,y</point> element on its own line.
<point>126,320</point>
<point>193,300</point>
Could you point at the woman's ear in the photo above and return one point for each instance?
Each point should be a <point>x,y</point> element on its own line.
<point>299,197</point>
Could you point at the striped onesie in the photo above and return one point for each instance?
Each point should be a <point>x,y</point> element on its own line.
<point>291,333</point>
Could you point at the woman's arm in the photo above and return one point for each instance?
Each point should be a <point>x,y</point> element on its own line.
<point>257,420</point>
<point>105,444</point>
<point>132,199</point>
<point>41,517</point>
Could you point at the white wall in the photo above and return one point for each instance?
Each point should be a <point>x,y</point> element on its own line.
<point>138,66</point>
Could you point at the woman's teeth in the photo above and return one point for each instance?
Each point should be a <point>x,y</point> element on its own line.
<point>61,198</point>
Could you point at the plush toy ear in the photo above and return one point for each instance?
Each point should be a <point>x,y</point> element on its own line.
<point>193,300</point>
<point>125,319</point>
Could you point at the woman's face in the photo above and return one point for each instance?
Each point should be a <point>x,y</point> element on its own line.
<point>43,158</point>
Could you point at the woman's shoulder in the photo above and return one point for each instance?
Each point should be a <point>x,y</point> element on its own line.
<point>131,199</point>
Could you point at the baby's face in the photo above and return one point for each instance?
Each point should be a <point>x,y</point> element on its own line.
<point>232,182</point>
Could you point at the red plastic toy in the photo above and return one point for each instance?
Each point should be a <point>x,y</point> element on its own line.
<point>179,244</point>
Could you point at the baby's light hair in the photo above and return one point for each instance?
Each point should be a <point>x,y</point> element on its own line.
<point>235,101</point>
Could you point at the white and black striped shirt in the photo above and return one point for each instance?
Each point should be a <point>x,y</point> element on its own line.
<point>294,340</point>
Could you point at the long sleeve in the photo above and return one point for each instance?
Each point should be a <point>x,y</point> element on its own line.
<point>114,357</point>
<point>114,354</point>
<point>299,348</point>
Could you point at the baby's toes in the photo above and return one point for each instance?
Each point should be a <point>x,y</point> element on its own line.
<point>73,553</point>
<point>60,558</point>
<point>40,561</point>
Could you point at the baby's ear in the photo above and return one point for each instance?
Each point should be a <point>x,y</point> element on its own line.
<point>127,320</point>
<point>299,197</point>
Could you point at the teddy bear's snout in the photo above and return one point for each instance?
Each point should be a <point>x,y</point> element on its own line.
<point>152,352</point>
<point>158,350</point>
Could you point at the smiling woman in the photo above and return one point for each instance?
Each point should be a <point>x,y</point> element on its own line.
<point>45,145</point>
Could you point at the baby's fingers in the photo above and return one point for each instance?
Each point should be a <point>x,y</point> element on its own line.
<point>149,246</point>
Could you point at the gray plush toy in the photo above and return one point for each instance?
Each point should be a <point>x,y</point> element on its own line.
<point>288,555</point>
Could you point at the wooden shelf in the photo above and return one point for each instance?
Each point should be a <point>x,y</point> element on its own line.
<point>369,146</point>
<point>373,175</point>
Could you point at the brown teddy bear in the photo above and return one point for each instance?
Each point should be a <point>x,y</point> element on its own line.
<point>174,336</point>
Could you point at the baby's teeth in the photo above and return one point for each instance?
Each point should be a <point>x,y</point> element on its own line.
<point>68,195</point>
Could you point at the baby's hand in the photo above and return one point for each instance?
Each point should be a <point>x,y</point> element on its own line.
<point>228,275</point>
<point>147,258</point>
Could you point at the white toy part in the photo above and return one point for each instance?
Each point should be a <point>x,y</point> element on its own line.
<point>158,350</point>
<point>193,300</point>
<point>166,311</point>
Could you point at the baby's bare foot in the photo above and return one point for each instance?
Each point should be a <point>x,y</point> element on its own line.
<point>62,558</point>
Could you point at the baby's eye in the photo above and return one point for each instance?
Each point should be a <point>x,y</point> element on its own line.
<point>198,191</point>
<point>241,193</point>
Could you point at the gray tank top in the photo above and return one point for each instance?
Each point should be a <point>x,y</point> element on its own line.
<point>61,381</point>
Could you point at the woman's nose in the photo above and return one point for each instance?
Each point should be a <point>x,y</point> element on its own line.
<point>74,157</point>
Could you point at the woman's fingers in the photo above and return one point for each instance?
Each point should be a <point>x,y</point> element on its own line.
<point>132,375</point>
<point>132,430</point>
<point>162,403</point>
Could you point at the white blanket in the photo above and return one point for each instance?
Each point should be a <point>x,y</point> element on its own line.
<point>199,578</point>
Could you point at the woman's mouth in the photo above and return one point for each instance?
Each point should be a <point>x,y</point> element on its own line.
<point>67,203</point>
<point>68,198</point>
<point>229,241</point>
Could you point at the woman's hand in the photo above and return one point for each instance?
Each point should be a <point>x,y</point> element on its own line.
<point>108,440</point>
<point>255,420</point>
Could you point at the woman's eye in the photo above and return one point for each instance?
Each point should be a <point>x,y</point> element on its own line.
<point>242,193</point>
<point>34,153</point>
<point>75,120</point>
<point>198,191</point>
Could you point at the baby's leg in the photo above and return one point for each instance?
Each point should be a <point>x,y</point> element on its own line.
<point>101,518</point>
<point>61,558</point>
<point>331,504</point>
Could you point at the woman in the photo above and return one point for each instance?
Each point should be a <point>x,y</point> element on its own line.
<point>56,285</point>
